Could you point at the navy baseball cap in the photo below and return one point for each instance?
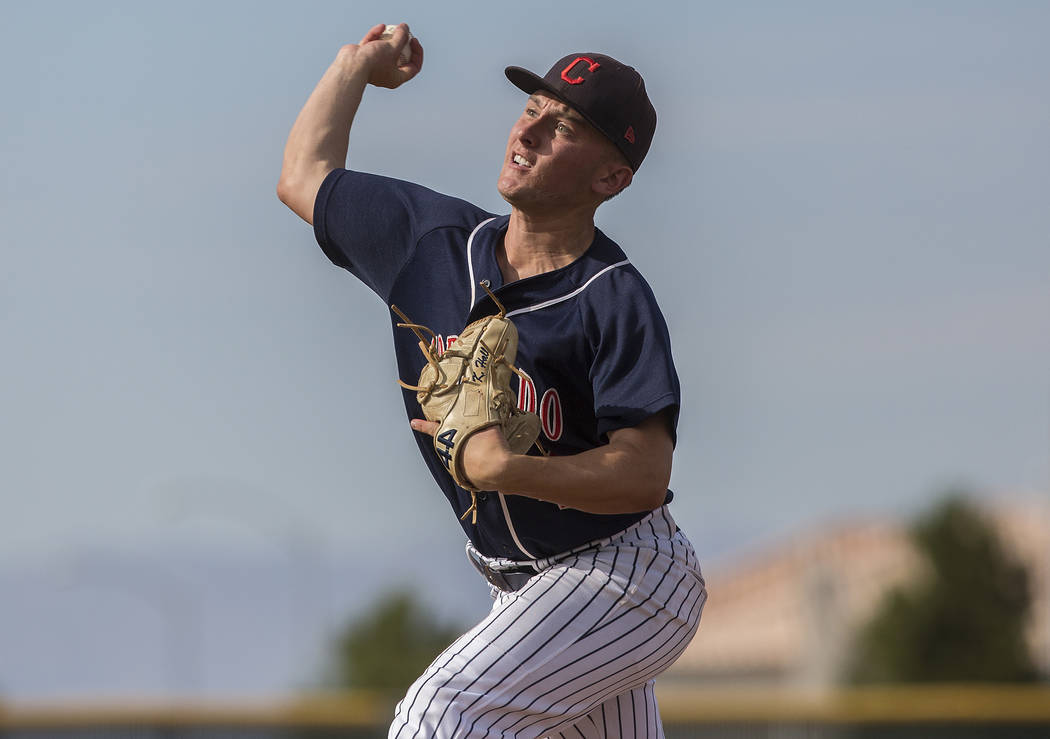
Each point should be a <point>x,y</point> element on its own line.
<point>608,93</point>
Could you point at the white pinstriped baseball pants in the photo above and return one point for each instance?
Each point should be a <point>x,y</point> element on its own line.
<point>574,652</point>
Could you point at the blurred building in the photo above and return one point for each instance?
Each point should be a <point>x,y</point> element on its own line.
<point>785,617</point>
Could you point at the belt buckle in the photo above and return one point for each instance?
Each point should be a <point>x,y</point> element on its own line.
<point>508,582</point>
<point>499,580</point>
<point>516,580</point>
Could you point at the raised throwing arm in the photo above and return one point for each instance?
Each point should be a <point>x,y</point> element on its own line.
<point>319,139</point>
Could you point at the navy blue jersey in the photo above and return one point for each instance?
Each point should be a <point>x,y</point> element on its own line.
<point>592,339</point>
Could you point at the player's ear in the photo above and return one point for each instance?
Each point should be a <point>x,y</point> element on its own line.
<point>612,178</point>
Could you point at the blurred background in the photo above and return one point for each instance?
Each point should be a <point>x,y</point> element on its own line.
<point>208,491</point>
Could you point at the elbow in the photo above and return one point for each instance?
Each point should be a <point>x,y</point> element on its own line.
<point>641,492</point>
<point>645,465</point>
<point>298,186</point>
<point>291,193</point>
<point>653,485</point>
<point>653,495</point>
<point>286,190</point>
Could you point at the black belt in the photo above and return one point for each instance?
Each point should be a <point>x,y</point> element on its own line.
<point>507,579</point>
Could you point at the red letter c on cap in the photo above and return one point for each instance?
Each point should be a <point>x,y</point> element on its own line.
<point>592,65</point>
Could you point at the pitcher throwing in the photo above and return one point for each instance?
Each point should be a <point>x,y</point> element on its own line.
<point>596,590</point>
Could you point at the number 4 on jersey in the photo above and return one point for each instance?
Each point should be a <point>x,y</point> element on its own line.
<point>445,438</point>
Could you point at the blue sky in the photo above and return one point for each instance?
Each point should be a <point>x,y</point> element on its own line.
<point>844,216</point>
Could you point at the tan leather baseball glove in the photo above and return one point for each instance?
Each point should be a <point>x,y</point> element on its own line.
<point>467,389</point>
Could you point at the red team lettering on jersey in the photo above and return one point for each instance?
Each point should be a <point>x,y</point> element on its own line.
<point>440,343</point>
<point>549,406</point>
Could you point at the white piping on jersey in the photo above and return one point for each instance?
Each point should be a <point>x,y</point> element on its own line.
<point>573,294</point>
<point>470,260</point>
<point>510,527</point>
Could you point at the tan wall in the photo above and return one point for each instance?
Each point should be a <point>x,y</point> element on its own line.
<point>786,616</point>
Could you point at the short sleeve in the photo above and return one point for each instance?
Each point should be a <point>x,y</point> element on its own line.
<point>370,224</point>
<point>633,374</point>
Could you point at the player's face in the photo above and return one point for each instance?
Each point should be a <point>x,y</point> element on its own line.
<point>553,156</point>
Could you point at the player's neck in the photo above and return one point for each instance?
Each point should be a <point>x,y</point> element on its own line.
<point>534,245</point>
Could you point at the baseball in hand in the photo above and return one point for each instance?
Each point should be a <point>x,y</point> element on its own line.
<point>406,50</point>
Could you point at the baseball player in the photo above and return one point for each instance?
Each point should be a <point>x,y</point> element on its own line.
<point>596,590</point>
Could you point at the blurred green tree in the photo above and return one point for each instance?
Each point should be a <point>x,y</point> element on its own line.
<point>963,620</point>
<point>386,649</point>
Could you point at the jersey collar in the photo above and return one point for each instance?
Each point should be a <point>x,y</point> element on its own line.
<point>539,291</point>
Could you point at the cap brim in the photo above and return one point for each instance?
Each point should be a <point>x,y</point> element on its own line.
<point>525,80</point>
